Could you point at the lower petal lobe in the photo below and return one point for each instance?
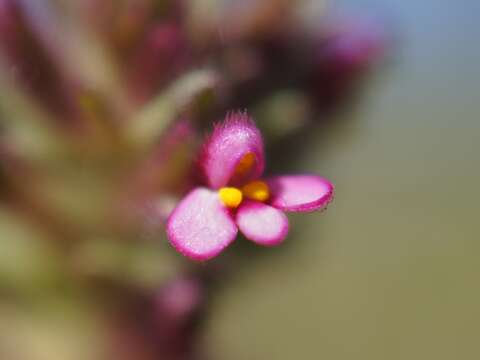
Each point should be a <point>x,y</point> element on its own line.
<point>200,227</point>
<point>262,223</point>
<point>300,193</point>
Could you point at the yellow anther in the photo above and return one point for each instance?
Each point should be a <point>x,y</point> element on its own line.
<point>245,163</point>
<point>230,196</point>
<point>256,190</point>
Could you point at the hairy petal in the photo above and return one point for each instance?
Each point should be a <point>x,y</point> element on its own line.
<point>262,223</point>
<point>200,227</point>
<point>300,193</point>
<point>234,152</point>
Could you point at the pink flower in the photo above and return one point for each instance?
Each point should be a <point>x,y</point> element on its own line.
<point>236,197</point>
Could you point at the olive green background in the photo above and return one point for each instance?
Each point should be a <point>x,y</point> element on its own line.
<point>390,271</point>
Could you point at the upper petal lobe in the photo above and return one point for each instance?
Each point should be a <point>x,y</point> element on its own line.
<point>200,227</point>
<point>300,193</point>
<point>234,152</point>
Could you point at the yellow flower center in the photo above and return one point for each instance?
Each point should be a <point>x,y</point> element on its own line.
<point>230,196</point>
<point>254,190</point>
<point>245,164</point>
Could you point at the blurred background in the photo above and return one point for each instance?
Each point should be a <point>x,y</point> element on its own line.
<point>103,105</point>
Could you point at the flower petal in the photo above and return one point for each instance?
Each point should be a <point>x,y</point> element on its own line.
<point>262,223</point>
<point>200,227</point>
<point>234,153</point>
<point>301,193</point>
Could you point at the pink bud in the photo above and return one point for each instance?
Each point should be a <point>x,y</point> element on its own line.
<point>347,49</point>
<point>179,298</point>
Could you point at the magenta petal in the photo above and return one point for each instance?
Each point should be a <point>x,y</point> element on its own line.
<point>200,227</point>
<point>262,223</point>
<point>300,192</point>
<point>230,141</point>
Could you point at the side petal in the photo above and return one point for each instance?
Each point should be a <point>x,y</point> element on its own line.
<point>300,193</point>
<point>262,223</point>
<point>200,227</point>
<point>234,153</point>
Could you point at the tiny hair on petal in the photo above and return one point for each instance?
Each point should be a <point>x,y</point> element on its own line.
<point>233,141</point>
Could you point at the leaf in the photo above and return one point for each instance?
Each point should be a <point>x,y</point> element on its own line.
<point>149,124</point>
